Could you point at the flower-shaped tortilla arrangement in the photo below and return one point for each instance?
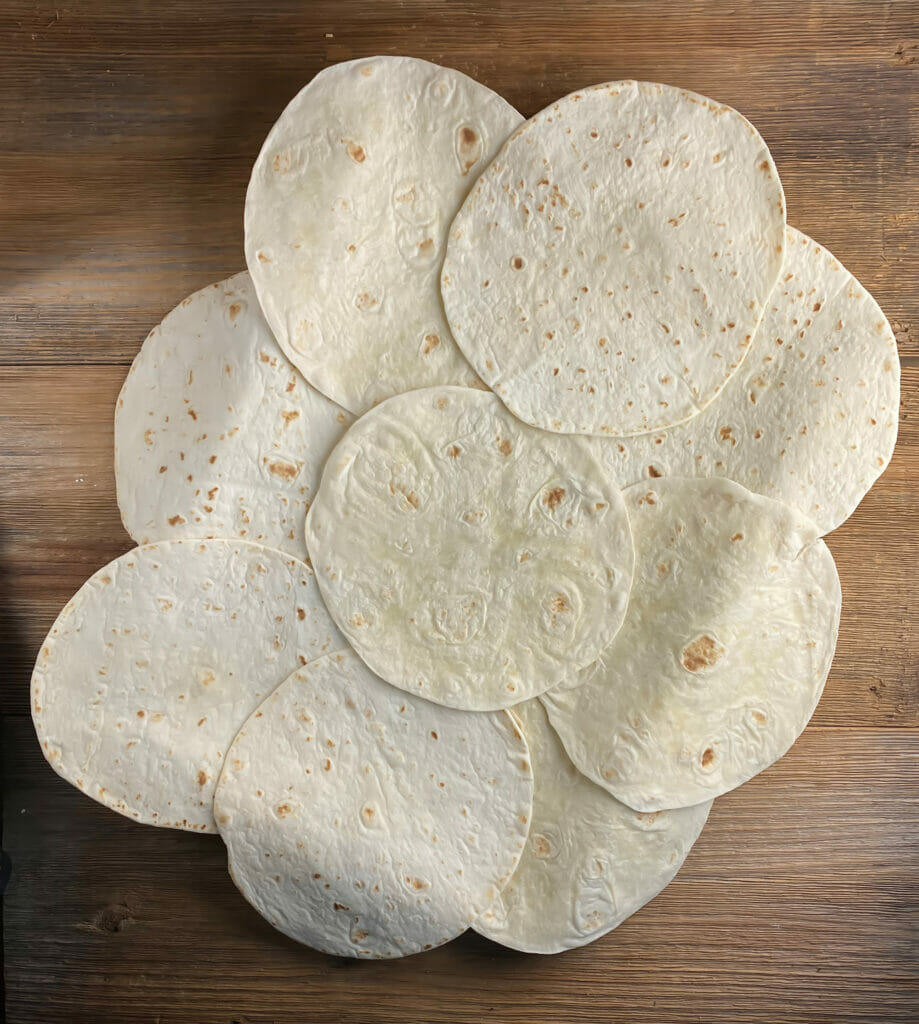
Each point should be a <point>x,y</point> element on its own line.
<point>480,527</point>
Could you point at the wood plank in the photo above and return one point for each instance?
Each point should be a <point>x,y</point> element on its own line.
<point>60,523</point>
<point>793,906</point>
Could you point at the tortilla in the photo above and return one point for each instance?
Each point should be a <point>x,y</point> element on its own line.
<point>811,419</point>
<point>469,558</point>
<point>346,219</point>
<point>589,862</point>
<point>152,667</point>
<point>216,434</point>
<point>367,822</point>
<point>723,654</point>
<point>608,270</point>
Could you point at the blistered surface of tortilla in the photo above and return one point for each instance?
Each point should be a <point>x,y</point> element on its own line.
<point>589,862</point>
<point>811,418</point>
<point>150,670</point>
<point>608,270</point>
<point>216,434</point>
<point>469,558</point>
<point>724,652</point>
<point>367,822</point>
<point>346,219</point>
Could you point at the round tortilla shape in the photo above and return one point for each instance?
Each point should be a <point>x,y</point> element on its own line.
<point>589,862</point>
<point>811,418</point>
<point>469,558</point>
<point>216,434</point>
<point>608,270</point>
<point>347,213</point>
<point>366,822</point>
<point>724,652</point>
<point>156,662</point>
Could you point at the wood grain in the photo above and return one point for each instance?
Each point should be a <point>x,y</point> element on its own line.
<point>126,137</point>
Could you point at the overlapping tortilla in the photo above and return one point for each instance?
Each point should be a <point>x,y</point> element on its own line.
<point>368,822</point>
<point>152,667</point>
<point>608,270</point>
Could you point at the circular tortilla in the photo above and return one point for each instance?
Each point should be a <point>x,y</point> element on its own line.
<point>346,219</point>
<point>589,862</point>
<point>811,418</point>
<point>216,434</point>
<point>366,822</point>
<point>609,268</point>
<point>156,662</point>
<point>724,652</point>
<point>469,558</point>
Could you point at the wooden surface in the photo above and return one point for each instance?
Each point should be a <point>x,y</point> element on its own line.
<point>127,131</point>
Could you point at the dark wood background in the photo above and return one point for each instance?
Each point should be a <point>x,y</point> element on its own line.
<point>127,130</point>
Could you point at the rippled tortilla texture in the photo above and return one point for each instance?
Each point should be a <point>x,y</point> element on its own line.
<point>469,558</point>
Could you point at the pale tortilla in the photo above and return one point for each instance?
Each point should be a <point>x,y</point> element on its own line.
<point>346,219</point>
<point>367,822</point>
<point>589,862</point>
<point>469,558</point>
<point>153,666</point>
<point>216,434</point>
<point>724,652</point>
<point>811,418</point>
<point>608,270</point>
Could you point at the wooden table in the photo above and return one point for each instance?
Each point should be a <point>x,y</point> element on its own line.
<point>127,131</point>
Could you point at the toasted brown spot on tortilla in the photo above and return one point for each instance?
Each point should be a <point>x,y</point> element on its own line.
<point>759,717</point>
<point>289,417</point>
<point>326,765</point>
<point>653,471</point>
<point>235,310</point>
<point>355,151</point>
<point>263,258</point>
<point>560,603</point>
<point>554,497</point>
<point>737,536</point>
<point>701,653</point>
<point>202,778</point>
<point>726,435</point>
<point>431,341</point>
<point>283,810</point>
<point>453,451</point>
<point>505,447</point>
<point>708,755</point>
<point>284,470</point>
<point>517,263</point>
<point>416,883</point>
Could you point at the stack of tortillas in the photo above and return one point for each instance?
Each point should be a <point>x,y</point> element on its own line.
<point>480,522</point>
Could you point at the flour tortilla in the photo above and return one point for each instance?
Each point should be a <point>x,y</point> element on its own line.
<point>608,270</point>
<point>160,657</point>
<point>346,219</point>
<point>589,862</point>
<point>367,822</point>
<point>811,418</point>
<point>723,654</point>
<point>469,558</point>
<point>216,434</point>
